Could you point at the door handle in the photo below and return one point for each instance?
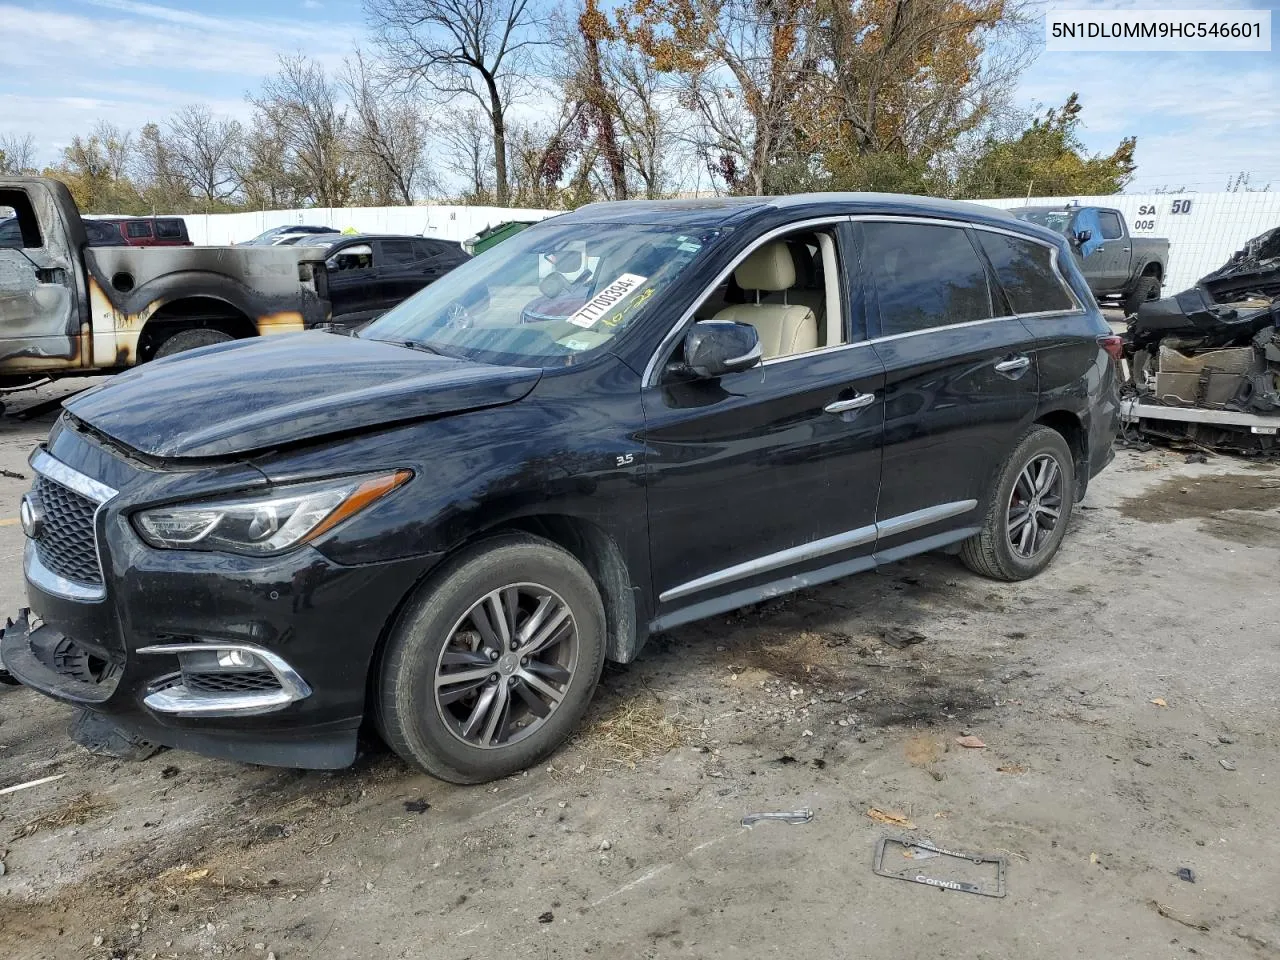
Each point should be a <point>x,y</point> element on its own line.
<point>1124,249</point>
<point>853,403</point>
<point>1013,365</point>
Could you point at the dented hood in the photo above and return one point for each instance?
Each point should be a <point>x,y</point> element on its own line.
<point>251,395</point>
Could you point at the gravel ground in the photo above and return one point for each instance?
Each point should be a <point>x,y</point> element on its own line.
<point>1126,697</point>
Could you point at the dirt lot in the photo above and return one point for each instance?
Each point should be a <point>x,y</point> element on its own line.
<point>1127,699</point>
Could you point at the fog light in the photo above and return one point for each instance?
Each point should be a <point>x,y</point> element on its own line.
<point>236,658</point>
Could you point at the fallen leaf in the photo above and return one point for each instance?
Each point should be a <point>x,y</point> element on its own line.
<point>890,818</point>
<point>972,742</point>
<point>1093,858</point>
<point>1011,768</point>
<point>194,875</point>
<point>1159,702</point>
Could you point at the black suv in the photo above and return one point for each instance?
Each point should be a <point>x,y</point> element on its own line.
<point>621,420</point>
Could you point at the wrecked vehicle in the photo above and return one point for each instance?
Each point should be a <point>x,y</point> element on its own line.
<point>1114,262</point>
<point>69,306</point>
<point>1204,365</point>
<point>444,525</point>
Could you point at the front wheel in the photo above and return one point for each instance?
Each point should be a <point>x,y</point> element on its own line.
<point>1029,510</point>
<point>1147,288</point>
<point>493,663</point>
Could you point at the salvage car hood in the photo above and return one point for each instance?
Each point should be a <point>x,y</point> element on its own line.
<point>251,395</point>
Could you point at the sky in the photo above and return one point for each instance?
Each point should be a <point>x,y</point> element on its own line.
<point>1200,118</point>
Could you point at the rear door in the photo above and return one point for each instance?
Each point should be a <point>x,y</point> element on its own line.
<point>961,384</point>
<point>1115,253</point>
<point>401,271</point>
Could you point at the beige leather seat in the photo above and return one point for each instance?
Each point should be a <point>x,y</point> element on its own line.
<point>784,328</point>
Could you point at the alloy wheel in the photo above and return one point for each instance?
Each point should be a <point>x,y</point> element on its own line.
<point>1035,506</point>
<point>506,665</point>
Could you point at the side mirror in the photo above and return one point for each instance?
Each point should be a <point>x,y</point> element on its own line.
<point>1084,236</point>
<point>713,348</point>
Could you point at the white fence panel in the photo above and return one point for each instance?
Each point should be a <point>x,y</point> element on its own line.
<point>446,222</point>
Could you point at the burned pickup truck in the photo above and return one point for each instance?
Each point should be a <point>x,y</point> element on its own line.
<point>68,307</point>
<point>1205,363</point>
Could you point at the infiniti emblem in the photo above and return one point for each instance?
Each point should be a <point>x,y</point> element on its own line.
<point>32,516</point>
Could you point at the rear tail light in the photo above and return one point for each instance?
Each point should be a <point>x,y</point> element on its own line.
<point>1114,345</point>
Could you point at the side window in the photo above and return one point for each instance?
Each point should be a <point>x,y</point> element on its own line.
<point>23,231</point>
<point>779,289</point>
<point>925,276</point>
<point>1025,271</point>
<point>136,229</point>
<point>358,256</point>
<point>398,252</point>
<point>1110,222</point>
<point>170,230</point>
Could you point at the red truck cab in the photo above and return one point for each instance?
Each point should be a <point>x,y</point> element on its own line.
<point>151,231</point>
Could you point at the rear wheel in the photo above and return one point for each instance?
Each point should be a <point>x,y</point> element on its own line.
<point>1147,288</point>
<point>1029,510</point>
<point>492,664</point>
<point>190,339</point>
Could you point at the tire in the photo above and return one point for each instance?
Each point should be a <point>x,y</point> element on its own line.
<point>409,702</point>
<point>992,552</point>
<point>1147,288</point>
<point>189,340</point>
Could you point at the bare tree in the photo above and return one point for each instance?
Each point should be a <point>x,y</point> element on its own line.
<point>300,105</point>
<point>199,150</point>
<point>468,143</point>
<point>17,154</point>
<point>117,148</point>
<point>262,168</point>
<point>388,136</point>
<point>155,171</point>
<point>471,48</point>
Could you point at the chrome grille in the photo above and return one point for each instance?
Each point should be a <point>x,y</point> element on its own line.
<point>67,543</point>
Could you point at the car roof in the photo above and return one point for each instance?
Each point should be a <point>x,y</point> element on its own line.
<point>723,212</point>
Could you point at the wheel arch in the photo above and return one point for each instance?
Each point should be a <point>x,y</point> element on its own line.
<point>187,313</point>
<point>1072,429</point>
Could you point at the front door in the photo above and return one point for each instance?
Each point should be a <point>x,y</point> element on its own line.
<point>352,282</point>
<point>960,379</point>
<point>760,479</point>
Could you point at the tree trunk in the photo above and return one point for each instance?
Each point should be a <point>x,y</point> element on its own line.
<point>604,118</point>
<point>498,116</point>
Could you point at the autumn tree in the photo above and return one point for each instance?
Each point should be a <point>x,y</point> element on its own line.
<point>476,50</point>
<point>1047,158</point>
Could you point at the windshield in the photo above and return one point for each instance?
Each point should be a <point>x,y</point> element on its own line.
<point>1059,221</point>
<point>547,297</point>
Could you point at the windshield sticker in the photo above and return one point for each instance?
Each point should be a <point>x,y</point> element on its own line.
<point>606,299</point>
<point>689,247</point>
<point>572,344</point>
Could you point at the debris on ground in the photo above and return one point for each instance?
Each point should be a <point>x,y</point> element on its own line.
<point>546,917</point>
<point>416,806</point>
<point>783,816</point>
<point>970,742</point>
<point>901,637</point>
<point>1227,765</point>
<point>31,783</point>
<point>1186,874</point>
<point>1168,914</point>
<point>1012,768</point>
<point>79,811</point>
<point>890,818</point>
<point>1158,701</point>
<point>636,730</point>
<point>979,873</point>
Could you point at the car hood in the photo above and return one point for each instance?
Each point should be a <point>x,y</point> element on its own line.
<point>251,395</point>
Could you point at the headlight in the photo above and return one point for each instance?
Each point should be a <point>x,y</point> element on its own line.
<point>266,522</point>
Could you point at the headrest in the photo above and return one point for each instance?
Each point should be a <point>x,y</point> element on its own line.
<point>769,267</point>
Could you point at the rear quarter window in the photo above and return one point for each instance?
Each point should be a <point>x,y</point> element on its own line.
<point>137,229</point>
<point>171,230</point>
<point>1025,270</point>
